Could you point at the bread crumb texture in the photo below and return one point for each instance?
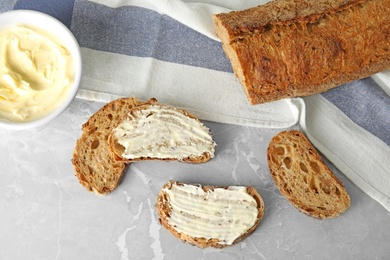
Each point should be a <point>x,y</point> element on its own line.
<point>94,165</point>
<point>300,174</point>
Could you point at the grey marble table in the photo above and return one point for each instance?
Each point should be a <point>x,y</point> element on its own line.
<point>46,214</point>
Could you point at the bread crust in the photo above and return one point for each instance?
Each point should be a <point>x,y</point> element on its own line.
<point>117,149</point>
<point>303,178</point>
<point>94,165</point>
<point>164,211</point>
<point>289,48</point>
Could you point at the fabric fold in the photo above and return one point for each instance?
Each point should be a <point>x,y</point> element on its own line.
<point>194,14</point>
<point>383,80</point>
<point>361,156</point>
<point>211,95</point>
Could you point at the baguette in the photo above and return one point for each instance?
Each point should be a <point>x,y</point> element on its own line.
<point>209,216</point>
<point>159,132</point>
<point>289,48</point>
<point>300,174</point>
<point>95,167</point>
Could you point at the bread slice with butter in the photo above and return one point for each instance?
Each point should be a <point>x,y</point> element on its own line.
<point>95,167</point>
<point>302,176</point>
<point>209,216</point>
<point>155,131</point>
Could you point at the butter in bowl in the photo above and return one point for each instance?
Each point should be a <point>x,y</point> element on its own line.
<point>40,68</point>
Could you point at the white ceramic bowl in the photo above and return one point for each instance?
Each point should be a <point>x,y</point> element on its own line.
<point>59,30</point>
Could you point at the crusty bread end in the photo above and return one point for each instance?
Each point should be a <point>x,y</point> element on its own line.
<point>289,48</point>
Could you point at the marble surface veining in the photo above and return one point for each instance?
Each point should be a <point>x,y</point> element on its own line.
<point>46,214</point>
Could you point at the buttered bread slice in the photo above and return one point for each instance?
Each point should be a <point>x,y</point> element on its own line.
<point>302,176</point>
<point>209,216</point>
<point>159,132</point>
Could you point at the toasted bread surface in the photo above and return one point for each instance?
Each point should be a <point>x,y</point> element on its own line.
<point>303,178</point>
<point>209,225</point>
<point>289,48</point>
<point>155,131</point>
<point>94,165</point>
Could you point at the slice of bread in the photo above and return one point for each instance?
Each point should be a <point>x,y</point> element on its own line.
<point>94,164</point>
<point>300,174</point>
<point>155,131</point>
<point>209,216</point>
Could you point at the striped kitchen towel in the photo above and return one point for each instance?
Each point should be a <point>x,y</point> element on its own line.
<point>169,50</point>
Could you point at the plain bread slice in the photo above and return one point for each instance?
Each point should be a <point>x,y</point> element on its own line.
<point>303,178</point>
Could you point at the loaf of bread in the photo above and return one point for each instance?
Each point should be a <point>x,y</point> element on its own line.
<point>300,174</point>
<point>95,166</point>
<point>155,131</point>
<point>289,48</point>
<point>209,216</point>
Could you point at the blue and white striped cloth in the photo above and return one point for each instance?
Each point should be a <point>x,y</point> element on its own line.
<point>168,49</point>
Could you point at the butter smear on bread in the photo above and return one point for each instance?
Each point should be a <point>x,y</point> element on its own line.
<point>206,216</point>
<point>163,132</point>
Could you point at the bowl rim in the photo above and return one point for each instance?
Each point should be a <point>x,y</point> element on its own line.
<point>23,16</point>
